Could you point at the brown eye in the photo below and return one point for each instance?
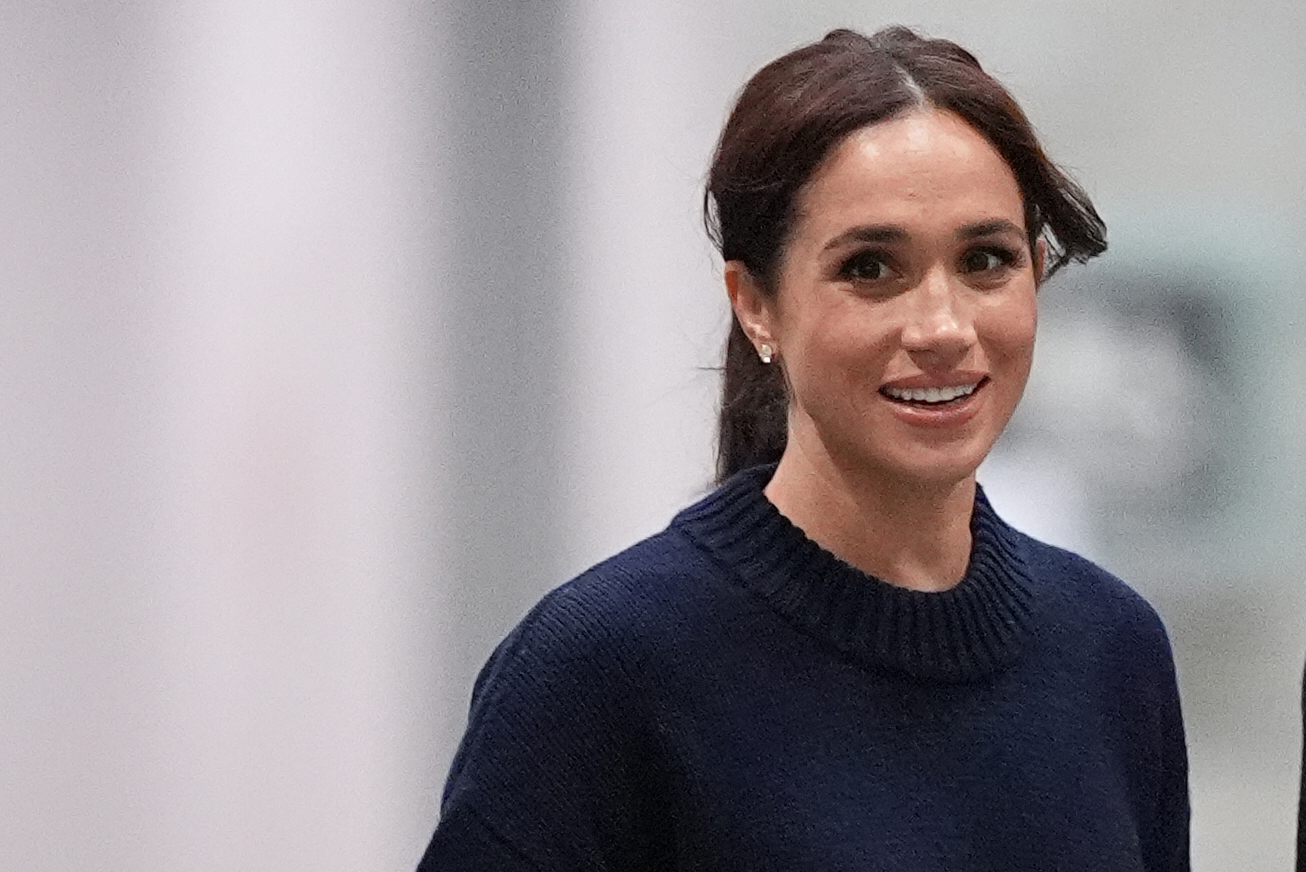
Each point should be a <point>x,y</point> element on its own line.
<point>986,260</point>
<point>866,267</point>
<point>982,261</point>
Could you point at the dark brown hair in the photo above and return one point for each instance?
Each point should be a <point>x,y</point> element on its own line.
<point>792,114</point>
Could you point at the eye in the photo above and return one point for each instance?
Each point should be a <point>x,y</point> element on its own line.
<point>866,266</point>
<point>988,260</point>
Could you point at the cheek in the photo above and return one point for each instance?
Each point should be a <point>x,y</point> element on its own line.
<point>829,368</point>
<point>1011,329</point>
<point>844,348</point>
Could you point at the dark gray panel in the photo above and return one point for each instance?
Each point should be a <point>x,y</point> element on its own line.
<point>503,332</point>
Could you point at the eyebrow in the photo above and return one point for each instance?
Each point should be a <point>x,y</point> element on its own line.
<point>989,228</point>
<point>881,234</point>
<point>892,233</point>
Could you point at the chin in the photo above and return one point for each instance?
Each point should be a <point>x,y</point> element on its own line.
<point>941,468</point>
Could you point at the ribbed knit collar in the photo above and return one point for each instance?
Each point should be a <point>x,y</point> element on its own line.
<point>972,631</point>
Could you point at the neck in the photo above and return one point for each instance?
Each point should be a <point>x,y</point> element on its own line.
<point>908,533</point>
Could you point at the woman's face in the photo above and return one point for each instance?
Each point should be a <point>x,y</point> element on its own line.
<point>905,310</point>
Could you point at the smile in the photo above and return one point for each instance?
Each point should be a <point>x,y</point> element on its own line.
<point>931,396</point>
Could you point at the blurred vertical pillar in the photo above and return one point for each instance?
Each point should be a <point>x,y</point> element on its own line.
<point>647,320</point>
<point>79,392</point>
<point>220,553</point>
<point>507,242</point>
<point>302,333</point>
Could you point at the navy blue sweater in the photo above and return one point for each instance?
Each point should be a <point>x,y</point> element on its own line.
<point>727,695</point>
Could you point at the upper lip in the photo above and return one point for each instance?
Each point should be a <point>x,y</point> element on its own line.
<point>951,380</point>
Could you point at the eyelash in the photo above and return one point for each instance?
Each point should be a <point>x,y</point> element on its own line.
<point>850,267</point>
<point>1007,258</point>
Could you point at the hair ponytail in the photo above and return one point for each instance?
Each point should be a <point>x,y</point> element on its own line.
<point>753,426</point>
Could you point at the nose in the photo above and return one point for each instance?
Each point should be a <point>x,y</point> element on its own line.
<point>939,331</point>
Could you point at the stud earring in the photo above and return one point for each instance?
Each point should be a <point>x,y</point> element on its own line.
<point>765,352</point>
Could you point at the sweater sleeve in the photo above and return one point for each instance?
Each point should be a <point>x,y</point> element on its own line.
<point>545,777</point>
<point>464,842</point>
<point>1171,820</point>
<point>1142,677</point>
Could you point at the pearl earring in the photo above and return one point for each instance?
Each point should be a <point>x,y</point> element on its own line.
<point>765,352</point>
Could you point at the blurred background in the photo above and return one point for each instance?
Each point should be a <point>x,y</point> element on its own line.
<point>335,333</point>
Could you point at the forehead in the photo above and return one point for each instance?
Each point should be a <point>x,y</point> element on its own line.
<point>921,171</point>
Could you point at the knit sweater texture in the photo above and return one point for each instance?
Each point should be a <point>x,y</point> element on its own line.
<point>727,695</point>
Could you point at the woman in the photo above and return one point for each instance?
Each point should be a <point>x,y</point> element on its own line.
<point>842,659</point>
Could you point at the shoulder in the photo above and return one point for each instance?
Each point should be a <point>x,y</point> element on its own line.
<point>593,634</point>
<point>553,750</point>
<point>1086,597</point>
<point>631,594</point>
<point>1102,634</point>
<point>1085,580</point>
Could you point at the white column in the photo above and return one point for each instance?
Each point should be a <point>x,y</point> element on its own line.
<point>221,558</point>
<point>299,445</point>
<point>649,316</point>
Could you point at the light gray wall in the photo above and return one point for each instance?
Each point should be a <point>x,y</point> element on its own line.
<point>337,334</point>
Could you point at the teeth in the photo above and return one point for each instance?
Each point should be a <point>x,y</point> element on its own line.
<point>931,395</point>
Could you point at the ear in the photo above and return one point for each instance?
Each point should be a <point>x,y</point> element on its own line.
<point>754,309</point>
<point>1040,261</point>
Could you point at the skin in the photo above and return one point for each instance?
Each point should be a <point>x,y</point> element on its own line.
<point>908,266</point>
